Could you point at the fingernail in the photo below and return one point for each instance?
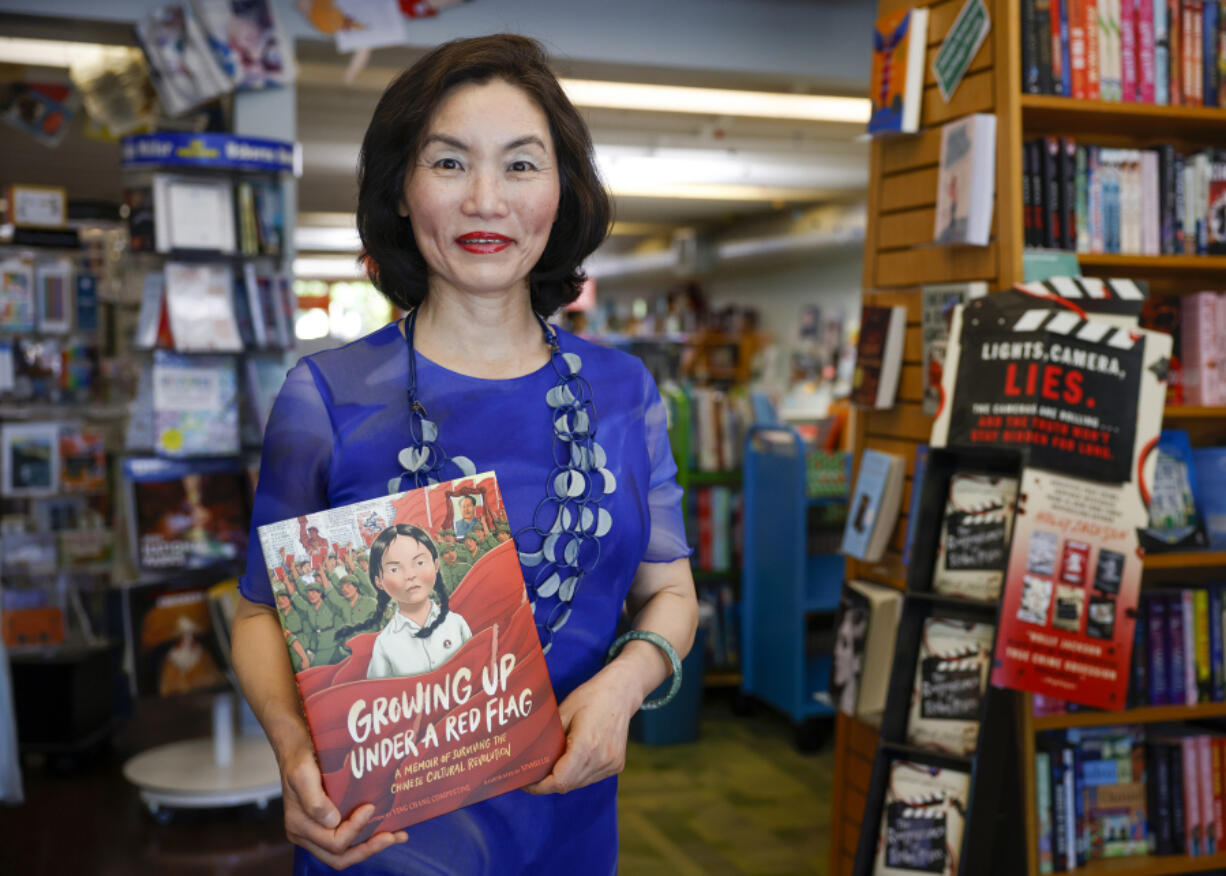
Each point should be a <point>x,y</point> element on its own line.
<point>332,819</point>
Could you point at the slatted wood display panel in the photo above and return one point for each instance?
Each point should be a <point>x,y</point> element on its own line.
<point>899,256</point>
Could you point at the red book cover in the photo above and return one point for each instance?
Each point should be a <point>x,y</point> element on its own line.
<point>1145,50</point>
<point>878,356</point>
<point>418,726</point>
<point>1128,51</point>
<point>1204,782</point>
<point>1092,49</point>
<point>1215,772</point>
<point>1077,47</point>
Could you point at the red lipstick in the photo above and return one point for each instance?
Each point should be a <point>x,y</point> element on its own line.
<point>483,242</point>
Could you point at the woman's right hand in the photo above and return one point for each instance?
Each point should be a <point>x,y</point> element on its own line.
<point>313,822</point>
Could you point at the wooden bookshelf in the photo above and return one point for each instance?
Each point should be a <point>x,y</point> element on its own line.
<point>1193,412</point>
<point>1139,715</point>
<point>1143,266</point>
<point>1046,114</point>
<point>1213,560</point>
<point>1152,865</point>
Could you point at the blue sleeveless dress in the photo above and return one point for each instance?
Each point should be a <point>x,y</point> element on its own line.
<point>333,438</point>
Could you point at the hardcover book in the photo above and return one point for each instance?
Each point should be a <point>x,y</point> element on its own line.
<point>951,676</point>
<point>417,725</point>
<point>874,504</point>
<point>896,88</point>
<point>863,647</point>
<point>922,820</point>
<point>937,311</point>
<point>974,540</point>
<point>879,356</point>
<point>966,184</point>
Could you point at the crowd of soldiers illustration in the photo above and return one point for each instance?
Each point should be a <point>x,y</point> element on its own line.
<point>329,596</point>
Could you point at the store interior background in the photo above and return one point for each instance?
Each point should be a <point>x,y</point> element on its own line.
<point>784,233</point>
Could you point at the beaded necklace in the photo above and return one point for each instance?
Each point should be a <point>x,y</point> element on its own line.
<point>561,543</point>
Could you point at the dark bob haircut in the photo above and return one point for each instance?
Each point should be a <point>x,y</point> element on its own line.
<point>394,138</point>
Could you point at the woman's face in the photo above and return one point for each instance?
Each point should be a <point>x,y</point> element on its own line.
<point>483,193</point>
<point>409,572</point>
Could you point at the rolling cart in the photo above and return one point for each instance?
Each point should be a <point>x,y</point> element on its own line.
<point>789,595</point>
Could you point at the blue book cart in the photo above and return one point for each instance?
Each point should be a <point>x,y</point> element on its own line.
<point>783,584</point>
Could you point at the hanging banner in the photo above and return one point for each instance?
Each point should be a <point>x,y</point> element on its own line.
<point>1084,395</point>
<point>220,151</point>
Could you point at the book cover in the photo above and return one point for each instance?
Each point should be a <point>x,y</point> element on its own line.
<point>195,405</point>
<point>172,646</point>
<point>193,213</point>
<point>476,713</point>
<point>1113,771</point>
<point>187,514</point>
<point>29,459</point>
<point>1209,464</point>
<point>966,183</point>
<point>896,86</point>
<point>138,210</point>
<point>82,459</point>
<point>200,307</point>
<point>17,309</point>
<point>270,216</point>
<point>53,290</point>
<point>864,629</point>
<point>923,817</point>
<point>874,504</point>
<point>87,303</point>
<point>951,676</point>
<point>937,304</point>
<point>879,356</point>
<point>974,537</point>
<point>1175,522</point>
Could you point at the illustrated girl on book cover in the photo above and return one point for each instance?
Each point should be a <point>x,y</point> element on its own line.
<point>422,634</point>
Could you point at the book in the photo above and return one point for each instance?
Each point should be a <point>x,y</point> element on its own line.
<point>937,304</point>
<point>187,513</point>
<point>17,309</point>
<point>181,62</point>
<point>1042,784</point>
<point>138,210</point>
<point>1209,465</point>
<point>966,182</point>
<point>53,288</point>
<point>1216,205</point>
<point>864,630</point>
<point>193,213</point>
<point>879,356</point>
<point>29,459</point>
<point>172,649</point>
<point>951,676</point>
<point>195,405</point>
<point>82,459</point>
<point>974,538</point>
<point>86,299</point>
<point>917,492</point>
<point>476,718</point>
<point>1174,520</point>
<point>896,87</point>
<point>200,307</point>
<point>923,817</point>
<point>1203,350</point>
<point>873,509</point>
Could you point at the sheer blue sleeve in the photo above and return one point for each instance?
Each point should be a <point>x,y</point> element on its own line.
<point>294,464</point>
<point>667,539</point>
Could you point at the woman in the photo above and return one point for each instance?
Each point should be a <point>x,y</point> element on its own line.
<point>478,201</point>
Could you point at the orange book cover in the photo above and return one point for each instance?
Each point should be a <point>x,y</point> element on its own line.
<point>897,75</point>
<point>436,695</point>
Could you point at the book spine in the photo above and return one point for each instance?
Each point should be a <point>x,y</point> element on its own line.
<point>1027,196</point>
<point>1041,41</point>
<point>1081,208</point>
<point>1159,658</point>
<point>1094,188</point>
<point>1209,53</point>
<point>1182,233</point>
<point>1080,839</point>
<point>1176,684</point>
<point>1128,50</point>
<point>1204,666</point>
<point>1051,192</point>
<point>1060,812</point>
<point>1179,814</point>
<point>702,504</point>
<point>1078,48</point>
<point>1204,782</point>
<point>1066,61</point>
<point>1198,346</point>
<point>1036,190</point>
<point>1158,798</point>
<point>1138,686</point>
<point>1093,50</point>
<point>1068,193</point>
<point>1109,50</point>
<point>1174,23</point>
<point>1198,53</point>
<point>1191,797</point>
<point>1220,58</point>
<point>1032,82</point>
<point>1146,51</point>
<point>1056,40</point>
<point>1215,778</point>
<point>1042,784</point>
<point>1215,645</point>
<point>1188,604</point>
<point>1162,55</point>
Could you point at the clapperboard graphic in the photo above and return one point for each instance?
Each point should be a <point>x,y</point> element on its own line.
<point>950,679</point>
<point>922,826</point>
<point>951,686</point>
<point>1055,367</point>
<point>977,518</point>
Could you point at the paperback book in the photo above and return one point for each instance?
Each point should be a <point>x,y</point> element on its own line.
<point>922,821</point>
<point>200,308</point>
<point>475,714</point>
<point>896,89</point>
<point>863,647</point>
<point>966,183</point>
<point>879,356</point>
<point>873,509</point>
<point>937,312</point>
<point>17,293</point>
<point>975,532</point>
<point>951,676</point>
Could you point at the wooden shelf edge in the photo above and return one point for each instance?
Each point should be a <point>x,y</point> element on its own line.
<point>1046,112</point>
<point>1185,560</point>
<point>1152,865</point>
<point>1194,412</point>
<point>1140,715</point>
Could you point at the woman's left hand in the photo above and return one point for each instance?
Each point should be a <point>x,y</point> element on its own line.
<point>596,718</point>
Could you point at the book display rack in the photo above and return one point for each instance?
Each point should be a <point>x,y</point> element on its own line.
<point>900,256</point>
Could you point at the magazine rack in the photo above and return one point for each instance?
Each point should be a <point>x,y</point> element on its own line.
<point>993,810</point>
<point>784,585</point>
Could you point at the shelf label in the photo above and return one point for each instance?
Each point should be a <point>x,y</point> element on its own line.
<point>960,45</point>
<point>220,151</point>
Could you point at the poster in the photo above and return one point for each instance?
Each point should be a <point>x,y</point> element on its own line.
<point>1084,395</point>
